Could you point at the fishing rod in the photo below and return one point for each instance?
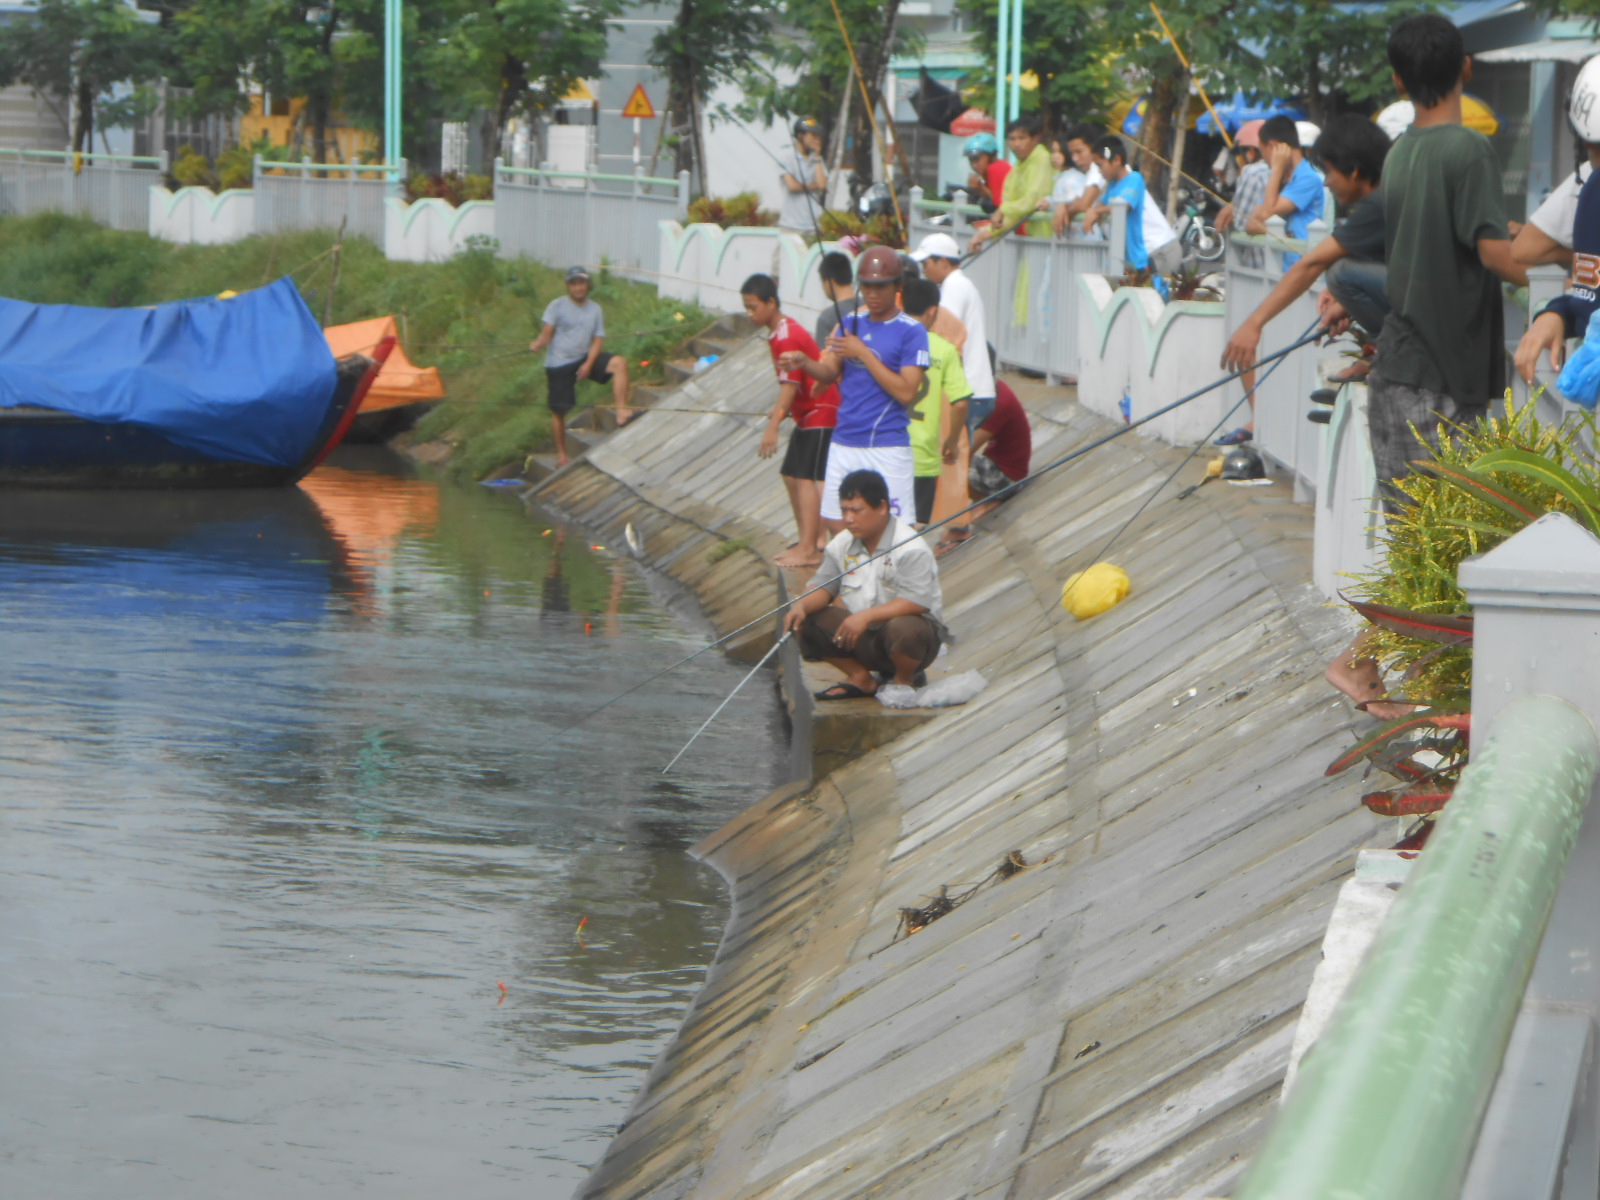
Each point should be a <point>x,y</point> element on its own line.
<point>1000,493</point>
<point>706,724</point>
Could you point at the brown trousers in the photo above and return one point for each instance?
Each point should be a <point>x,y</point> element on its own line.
<point>911,637</point>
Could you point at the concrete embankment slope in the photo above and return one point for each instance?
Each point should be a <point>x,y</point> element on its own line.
<point>1114,1018</point>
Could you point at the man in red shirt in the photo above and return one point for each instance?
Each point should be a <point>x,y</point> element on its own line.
<point>987,182</point>
<point>1002,451</point>
<point>814,409</point>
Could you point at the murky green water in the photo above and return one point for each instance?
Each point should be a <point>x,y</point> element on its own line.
<point>277,817</point>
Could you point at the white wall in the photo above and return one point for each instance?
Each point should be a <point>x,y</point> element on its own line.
<point>433,230</point>
<point>201,216</point>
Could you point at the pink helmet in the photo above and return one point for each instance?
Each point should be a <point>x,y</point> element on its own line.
<point>1249,134</point>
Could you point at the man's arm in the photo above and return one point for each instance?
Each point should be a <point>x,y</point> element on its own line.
<point>1241,349</point>
<point>1091,196</point>
<point>902,385</point>
<point>958,422</point>
<point>1533,247</point>
<point>826,369</point>
<point>1495,253</point>
<point>539,343</point>
<point>1274,203</point>
<point>981,439</point>
<point>792,184</point>
<point>853,626</point>
<point>787,391</point>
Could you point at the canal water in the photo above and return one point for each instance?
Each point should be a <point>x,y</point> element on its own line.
<point>279,815</point>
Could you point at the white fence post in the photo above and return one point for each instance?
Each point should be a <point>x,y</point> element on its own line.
<point>1117,238</point>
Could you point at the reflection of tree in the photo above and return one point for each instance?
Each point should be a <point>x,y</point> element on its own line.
<point>555,599</point>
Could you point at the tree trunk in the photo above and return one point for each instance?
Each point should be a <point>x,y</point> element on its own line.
<point>1179,140</point>
<point>1156,132</point>
<point>1316,105</point>
<point>83,119</point>
<point>874,56</point>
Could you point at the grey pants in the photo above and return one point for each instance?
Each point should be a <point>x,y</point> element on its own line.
<point>1362,287</point>
<point>1167,259</point>
<point>1393,410</point>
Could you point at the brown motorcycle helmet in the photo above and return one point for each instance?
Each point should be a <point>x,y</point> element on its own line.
<point>878,265</point>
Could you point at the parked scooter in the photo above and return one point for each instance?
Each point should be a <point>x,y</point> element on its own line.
<point>1196,233</point>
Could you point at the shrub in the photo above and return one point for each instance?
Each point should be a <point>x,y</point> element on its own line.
<point>193,169</point>
<point>731,211</point>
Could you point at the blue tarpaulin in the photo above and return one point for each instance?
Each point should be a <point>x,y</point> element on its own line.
<point>247,379</point>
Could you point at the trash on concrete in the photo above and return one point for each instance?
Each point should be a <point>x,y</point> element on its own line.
<point>1089,593</point>
<point>941,693</point>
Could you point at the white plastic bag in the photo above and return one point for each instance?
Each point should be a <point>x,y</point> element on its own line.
<point>941,693</point>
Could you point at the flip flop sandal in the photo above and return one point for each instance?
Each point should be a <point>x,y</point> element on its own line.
<point>842,691</point>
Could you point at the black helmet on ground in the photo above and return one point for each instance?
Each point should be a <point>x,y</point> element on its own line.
<point>1243,462</point>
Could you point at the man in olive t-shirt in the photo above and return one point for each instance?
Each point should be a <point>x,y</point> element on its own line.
<point>1441,354</point>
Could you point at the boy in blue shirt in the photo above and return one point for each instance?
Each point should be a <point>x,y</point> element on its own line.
<point>1294,190</point>
<point>1145,219</point>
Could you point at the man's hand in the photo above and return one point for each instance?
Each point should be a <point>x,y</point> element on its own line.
<point>1062,221</point>
<point>1334,316</point>
<point>952,446</point>
<point>769,443</point>
<point>851,629</point>
<point>792,360</point>
<point>1547,333</point>
<point>584,368</point>
<point>1242,347</point>
<point>1280,159</point>
<point>1224,220</point>
<point>849,346</point>
<point>793,619</point>
<point>1091,217</point>
<point>978,239</point>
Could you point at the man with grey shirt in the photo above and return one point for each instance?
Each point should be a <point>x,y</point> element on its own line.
<point>874,609</point>
<point>804,179</point>
<point>574,331</point>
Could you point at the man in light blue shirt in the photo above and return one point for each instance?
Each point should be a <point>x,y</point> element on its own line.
<point>1146,223</point>
<point>1294,192</point>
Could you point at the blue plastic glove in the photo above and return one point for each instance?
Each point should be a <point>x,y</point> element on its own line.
<point>1580,378</point>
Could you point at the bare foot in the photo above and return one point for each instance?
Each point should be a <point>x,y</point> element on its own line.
<point>562,461</point>
<point>1359,679</point>
<point>795,557</point>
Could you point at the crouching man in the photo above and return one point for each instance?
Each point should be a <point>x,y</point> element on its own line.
<point>874,618</point>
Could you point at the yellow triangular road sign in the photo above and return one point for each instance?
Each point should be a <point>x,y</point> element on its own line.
<point>638,104</point>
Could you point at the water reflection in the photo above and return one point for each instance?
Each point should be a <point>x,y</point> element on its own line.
<point>277,821</point>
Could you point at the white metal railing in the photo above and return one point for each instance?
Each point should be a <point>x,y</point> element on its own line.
<point>1029,284</point>
<point>562,217</point>
<point>308,195</point>
<point>113,189</point>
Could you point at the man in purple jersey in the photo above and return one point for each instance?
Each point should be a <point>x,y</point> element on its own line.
<point>878,357</point>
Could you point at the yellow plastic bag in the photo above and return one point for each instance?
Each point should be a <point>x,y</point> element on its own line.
<point>1089,593</point>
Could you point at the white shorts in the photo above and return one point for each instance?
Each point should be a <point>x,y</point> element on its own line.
<point>892,462</point>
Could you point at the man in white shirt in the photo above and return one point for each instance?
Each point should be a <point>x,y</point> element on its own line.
<point>1080,185</point>
<point>1547,237</point>
<point>940,259</point>
<point>874,608</point>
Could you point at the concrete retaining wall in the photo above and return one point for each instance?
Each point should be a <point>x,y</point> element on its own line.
<point>1115,1019</point>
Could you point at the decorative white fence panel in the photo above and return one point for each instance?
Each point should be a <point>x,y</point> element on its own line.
<point>199,216</point>
<point>113,189</point>
<point>308,195</point>
<point>434,230</point>
<point>562,218</point>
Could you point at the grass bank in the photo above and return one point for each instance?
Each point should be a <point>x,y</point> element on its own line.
<point>471,316</point>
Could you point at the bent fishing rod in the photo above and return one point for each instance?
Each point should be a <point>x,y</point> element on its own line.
<point>1077,453</point>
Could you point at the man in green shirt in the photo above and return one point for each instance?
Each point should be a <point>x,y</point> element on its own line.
<point>1030,181</point>
<point>945,383</point>
<point>1441,354</point>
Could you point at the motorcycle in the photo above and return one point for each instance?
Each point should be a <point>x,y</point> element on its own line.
<point>1196,234</point>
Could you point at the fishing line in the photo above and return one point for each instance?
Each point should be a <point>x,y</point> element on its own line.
<point>1079,452</point>
<point>706,724</point>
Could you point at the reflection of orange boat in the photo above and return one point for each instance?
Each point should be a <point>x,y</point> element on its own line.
<point>401,393</point>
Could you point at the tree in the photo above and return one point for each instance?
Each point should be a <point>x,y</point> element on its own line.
<point>1063,43</point>
<point>711,42</point>
<point>82,51</point>
<point>1332,54</point>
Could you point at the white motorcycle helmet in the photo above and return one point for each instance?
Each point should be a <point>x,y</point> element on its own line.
<point>1583,110</point>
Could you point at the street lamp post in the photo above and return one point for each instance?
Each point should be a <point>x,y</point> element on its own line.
<point>392,29</point>
<point>1002,61</point>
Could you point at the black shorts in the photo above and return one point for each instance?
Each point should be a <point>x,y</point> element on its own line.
<point>807,455</point>
<point>926,490</point>
<point>563,382</point>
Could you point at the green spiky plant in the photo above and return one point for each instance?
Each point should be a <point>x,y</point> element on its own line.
<point>1489,479</point>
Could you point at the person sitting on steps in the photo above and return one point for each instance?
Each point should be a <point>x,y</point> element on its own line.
<point>866,614</point>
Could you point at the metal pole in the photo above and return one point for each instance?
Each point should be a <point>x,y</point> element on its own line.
<point>1002,59</point>
<point>392,30</point>
<point>1389,1100</point>
<point>1015,108</point>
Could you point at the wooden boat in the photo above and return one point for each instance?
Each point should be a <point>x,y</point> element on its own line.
<point>400,395</point>
<point>46,448</point>
<point>239,391</point>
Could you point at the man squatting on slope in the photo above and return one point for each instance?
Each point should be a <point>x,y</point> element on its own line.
<point>871,617</point>
<point>879,359</point>
<point>813,409</point>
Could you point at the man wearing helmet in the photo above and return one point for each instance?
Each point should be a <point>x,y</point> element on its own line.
<point>879,358</point>
<point>987,183</point>
<point>804,179</point>
<point>1547,237</point>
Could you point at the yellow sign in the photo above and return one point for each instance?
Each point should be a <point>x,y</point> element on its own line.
<point>638,104</point>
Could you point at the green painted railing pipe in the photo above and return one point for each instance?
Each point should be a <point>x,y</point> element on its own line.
<point>87,156</point>
<point>1389,1099</point>
<point>603,178</point>
<point>360,168</point>
<point>944,206</point>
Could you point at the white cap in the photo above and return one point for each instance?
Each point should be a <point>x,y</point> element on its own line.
<point>937,245</point>
<point>1582,110</point>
